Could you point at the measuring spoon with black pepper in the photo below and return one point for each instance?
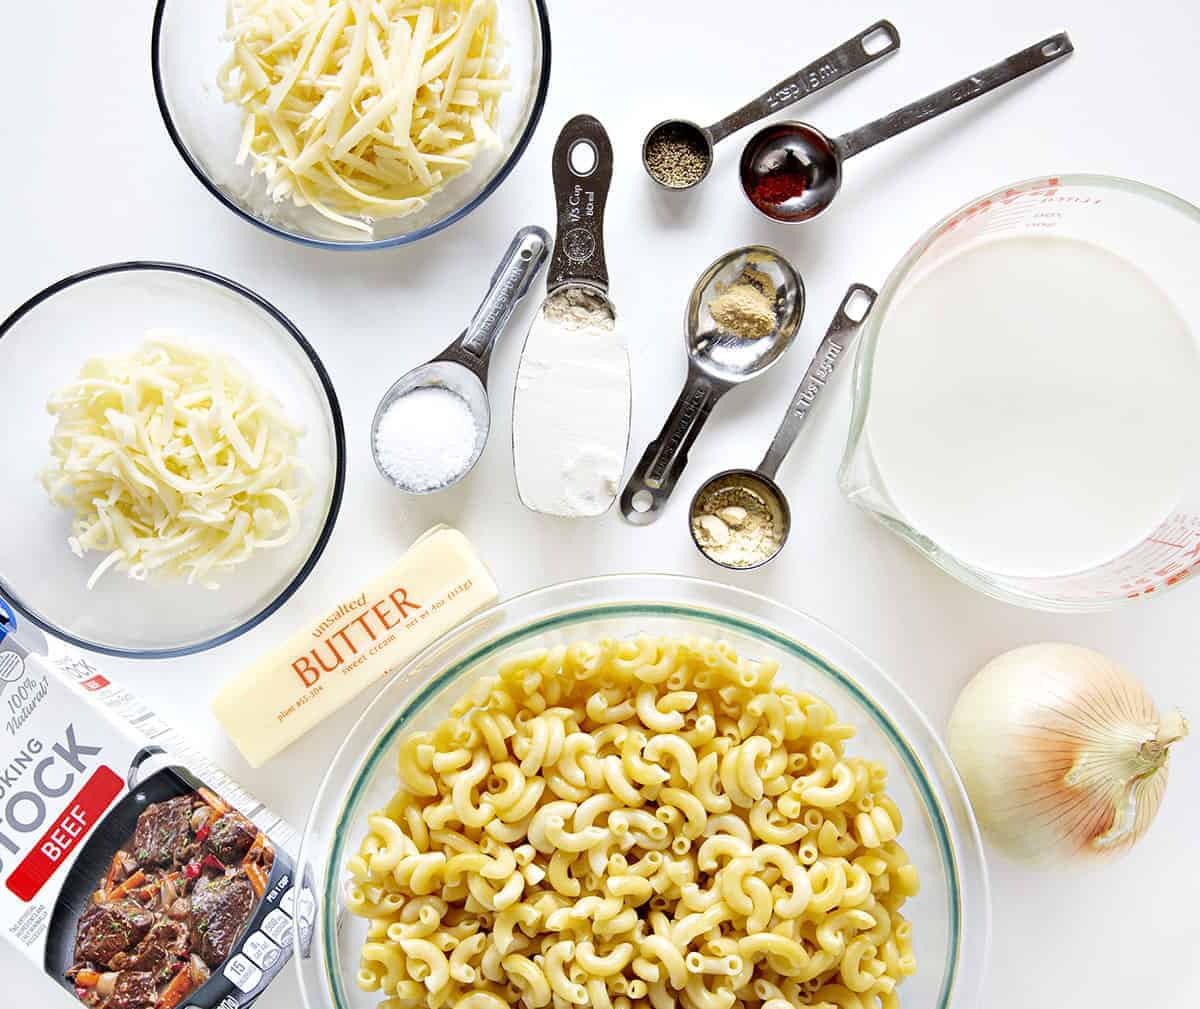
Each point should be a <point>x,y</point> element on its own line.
<point>717,361</point>
<point>791,171</point>
<point>678,153</point>
<point>760,483</point>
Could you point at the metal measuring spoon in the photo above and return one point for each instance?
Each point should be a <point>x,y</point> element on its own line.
<point>717,361</point>
<point>803,167</point>
<point>760,482</point>
<point>462,368</point>
<point>582,167</point>
<point>698,141</point>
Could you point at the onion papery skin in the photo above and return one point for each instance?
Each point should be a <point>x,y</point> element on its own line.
<point>1056,747</point>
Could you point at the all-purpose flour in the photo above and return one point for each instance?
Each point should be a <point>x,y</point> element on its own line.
<point>571,412</point>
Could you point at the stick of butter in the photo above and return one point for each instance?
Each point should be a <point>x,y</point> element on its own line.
<point>434,587</point>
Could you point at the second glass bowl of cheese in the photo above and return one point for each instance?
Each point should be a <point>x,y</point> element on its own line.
<point>71,343</point>
<point>191,50</point>
<point>950,915</point>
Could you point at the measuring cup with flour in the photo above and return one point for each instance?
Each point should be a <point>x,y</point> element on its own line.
<point>573,395</point>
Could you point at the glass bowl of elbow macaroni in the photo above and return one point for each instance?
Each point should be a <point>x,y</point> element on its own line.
<point>642,792</point>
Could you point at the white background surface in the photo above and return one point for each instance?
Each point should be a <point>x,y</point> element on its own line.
<point>88,176</point>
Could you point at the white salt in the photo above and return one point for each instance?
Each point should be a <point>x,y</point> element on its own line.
<point>426,438</point>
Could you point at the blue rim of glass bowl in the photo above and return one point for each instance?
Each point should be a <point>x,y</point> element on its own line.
<point>510,162</point>
<point>339,480</point>
<point>344,831</point>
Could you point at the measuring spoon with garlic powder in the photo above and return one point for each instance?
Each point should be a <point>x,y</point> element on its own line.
<point>462,368</point>
<point>717,361</point>
<point>727,502</point>
<point>678,154</point>
<point>573,396</point>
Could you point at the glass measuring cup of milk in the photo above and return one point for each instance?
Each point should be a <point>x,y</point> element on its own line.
<point>1027,394</point>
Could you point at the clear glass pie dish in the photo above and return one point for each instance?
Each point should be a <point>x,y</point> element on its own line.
<point>951,914</point>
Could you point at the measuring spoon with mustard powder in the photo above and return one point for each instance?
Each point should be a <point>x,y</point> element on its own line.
<point>792,171</point>
<point>719,509</point>
<point>462,368</point>
<point>678,154</point>
<point>573,396</point>
<point>717,361</point>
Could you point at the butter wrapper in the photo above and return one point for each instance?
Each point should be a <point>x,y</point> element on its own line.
<point>362,638</point>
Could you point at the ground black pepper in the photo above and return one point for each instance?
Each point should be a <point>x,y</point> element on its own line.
<point>676,156</point>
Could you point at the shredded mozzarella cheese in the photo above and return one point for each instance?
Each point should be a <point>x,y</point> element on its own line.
<point>174,462</point>
<point>362,109</point>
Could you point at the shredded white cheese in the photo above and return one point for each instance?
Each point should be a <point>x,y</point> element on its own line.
<point>362,109</point>
<point>174,462</point>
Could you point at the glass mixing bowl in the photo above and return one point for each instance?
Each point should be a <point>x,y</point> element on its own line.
<point>187,50</point>
<point>951,915</point>
<point>43,344</point>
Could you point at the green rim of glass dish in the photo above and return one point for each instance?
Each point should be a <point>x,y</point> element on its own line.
<point>383,745</point>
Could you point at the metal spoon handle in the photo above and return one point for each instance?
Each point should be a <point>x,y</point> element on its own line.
<point>580,197</point>
<point>842,331</point>
<point>510,283</point>
<point>841,62</point>
<point>1037,55</point>
<point>664,459</point>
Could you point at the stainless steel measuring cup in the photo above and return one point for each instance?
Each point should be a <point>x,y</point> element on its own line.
<point>792,171</point>
<point>873,43</point>
<point>760,482</point>
<point>462,368</point>
<point>717,361</point>
<point>581,167</point>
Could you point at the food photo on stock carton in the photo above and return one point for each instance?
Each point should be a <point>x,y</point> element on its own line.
<point>135,872</point>
<point>599,787</point>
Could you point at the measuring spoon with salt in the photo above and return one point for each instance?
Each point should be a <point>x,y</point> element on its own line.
<point>462,368</point>
<point>711,536</point>
<point>693,144</point>
<point>717,361</point>
<point>573,396</point>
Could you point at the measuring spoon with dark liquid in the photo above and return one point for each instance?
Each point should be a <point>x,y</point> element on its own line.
<point>879,40</point>
<point>792,171</point>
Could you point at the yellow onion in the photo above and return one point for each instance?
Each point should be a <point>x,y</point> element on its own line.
<point>1062,753</point>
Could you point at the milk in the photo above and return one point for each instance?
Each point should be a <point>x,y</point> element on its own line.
<point>1034,405</point>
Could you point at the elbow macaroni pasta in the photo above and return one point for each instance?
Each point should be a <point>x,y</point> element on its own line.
<point>640,824</point>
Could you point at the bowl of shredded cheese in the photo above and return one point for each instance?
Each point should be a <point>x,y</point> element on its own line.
<point>180,461</point>
<point>351,123</point>
<point>641,792</point>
